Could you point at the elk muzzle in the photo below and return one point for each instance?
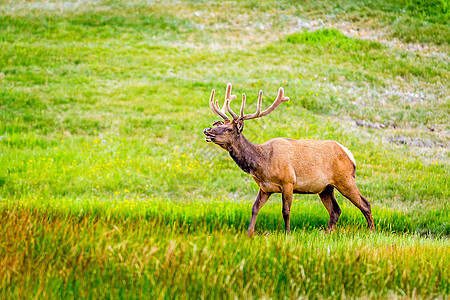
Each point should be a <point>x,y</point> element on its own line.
<point>209,136</point>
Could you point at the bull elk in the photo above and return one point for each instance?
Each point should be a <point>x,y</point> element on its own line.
<point>287,166</point>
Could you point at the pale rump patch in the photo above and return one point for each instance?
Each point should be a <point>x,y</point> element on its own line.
<point>350,155</point>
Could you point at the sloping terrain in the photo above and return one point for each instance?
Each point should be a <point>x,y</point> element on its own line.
<point>108,189</point>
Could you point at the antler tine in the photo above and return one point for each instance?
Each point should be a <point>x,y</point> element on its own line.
<point>215,107</point>
<point>280,99</point>
<point>258,109</point>
<point>242,106</point>
<point>228,98</point>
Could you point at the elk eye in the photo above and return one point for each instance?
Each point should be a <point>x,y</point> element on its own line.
<point>229,129</point>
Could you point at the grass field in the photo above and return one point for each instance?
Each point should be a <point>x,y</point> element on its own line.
<point>108,189</point>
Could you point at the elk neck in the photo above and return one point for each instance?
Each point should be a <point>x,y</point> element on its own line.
<point>246,154</point>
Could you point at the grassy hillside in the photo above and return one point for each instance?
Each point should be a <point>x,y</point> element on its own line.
<point>108,189</point>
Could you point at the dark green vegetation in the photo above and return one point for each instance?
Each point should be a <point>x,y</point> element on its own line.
<point>107,188</point>
<point>59,254</point>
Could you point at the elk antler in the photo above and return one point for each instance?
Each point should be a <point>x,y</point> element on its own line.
<point>258,114</point>
<point>215,105</point>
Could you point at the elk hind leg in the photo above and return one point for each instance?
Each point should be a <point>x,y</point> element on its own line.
<point>351,192</point>
<point>330,203</point>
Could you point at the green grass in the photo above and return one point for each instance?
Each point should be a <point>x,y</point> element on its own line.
<point>159,249</point>
<point>416,21</point>
<point>108,189</point>
<point>333,38</point>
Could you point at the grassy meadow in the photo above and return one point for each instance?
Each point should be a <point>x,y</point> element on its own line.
<point>108,189</point>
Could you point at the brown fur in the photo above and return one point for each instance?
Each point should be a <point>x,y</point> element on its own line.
<point>288,166</point>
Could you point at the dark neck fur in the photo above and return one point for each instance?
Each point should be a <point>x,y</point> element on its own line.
<point>245,154</point>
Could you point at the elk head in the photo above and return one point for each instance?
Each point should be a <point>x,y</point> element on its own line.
<point>224,133</point>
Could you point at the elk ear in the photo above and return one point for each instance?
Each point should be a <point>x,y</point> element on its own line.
<point>240,125</point>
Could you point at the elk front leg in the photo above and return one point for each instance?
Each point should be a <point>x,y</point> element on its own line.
<point>261,199</point>
<point>287,195</point>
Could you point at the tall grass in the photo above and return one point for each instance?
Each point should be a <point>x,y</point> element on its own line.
<point>99,253</point>
<point>220,213</point>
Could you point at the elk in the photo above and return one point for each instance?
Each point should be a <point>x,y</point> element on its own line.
<point>287,166</point>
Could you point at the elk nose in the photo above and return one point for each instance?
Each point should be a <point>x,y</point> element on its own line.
<point>205,131</point>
